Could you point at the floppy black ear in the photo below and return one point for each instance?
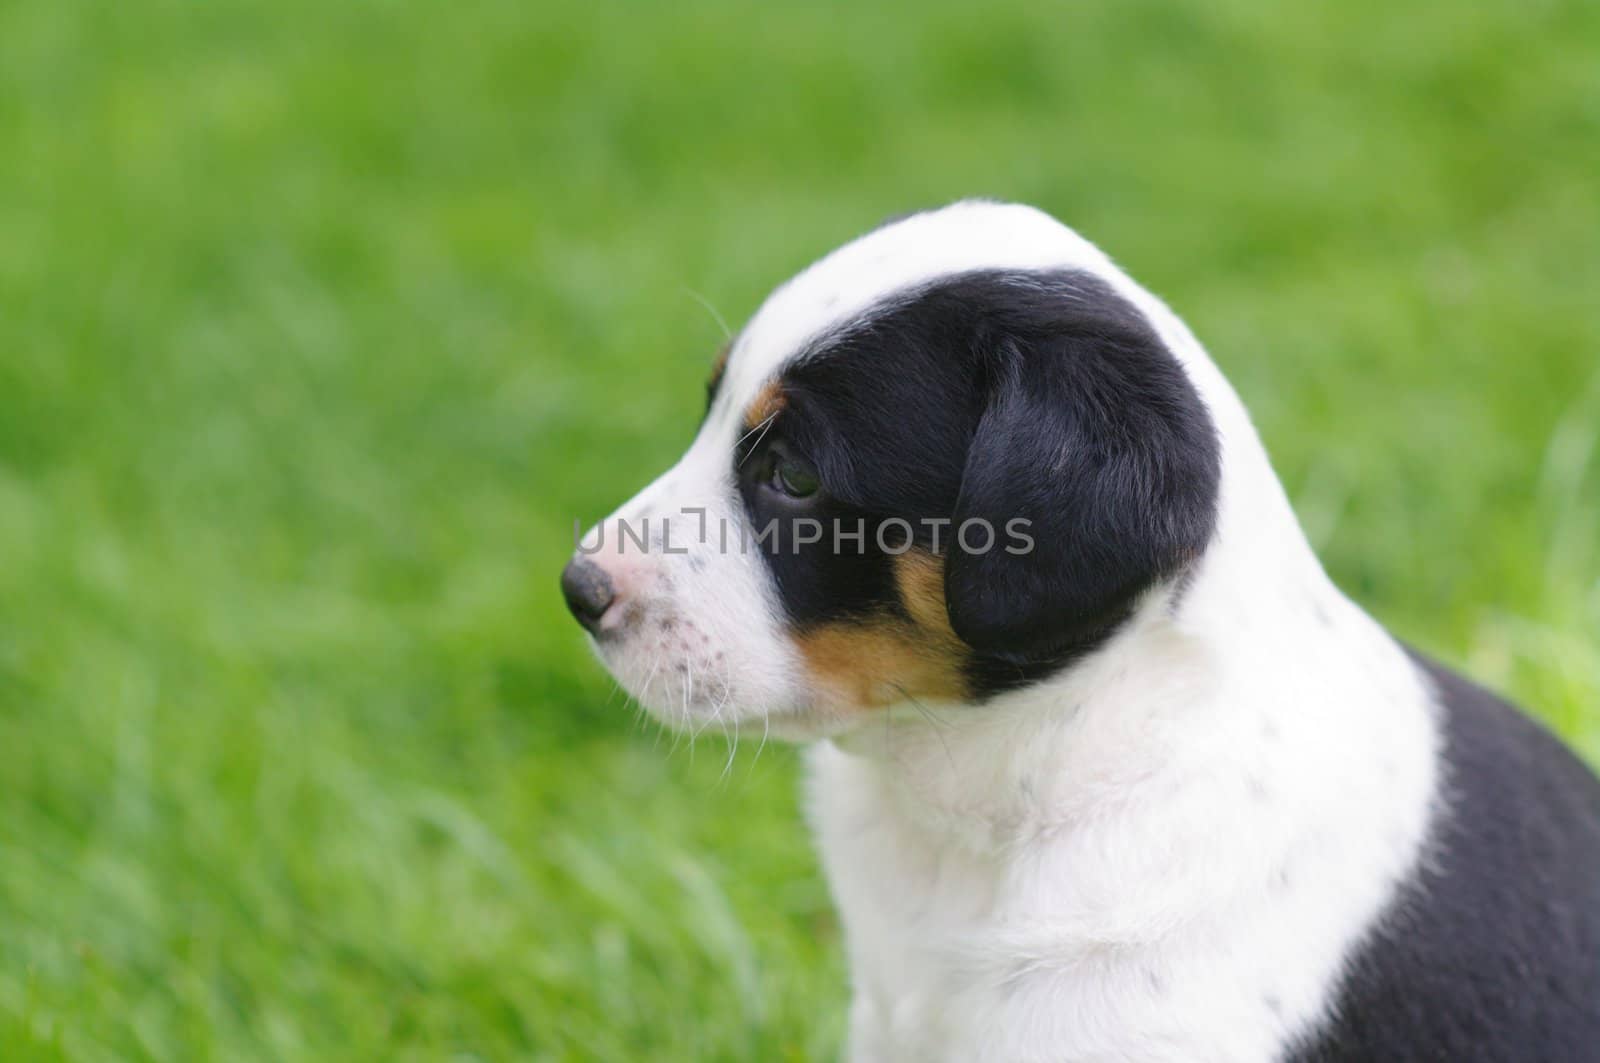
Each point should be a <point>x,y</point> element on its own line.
<point>1095,437</point>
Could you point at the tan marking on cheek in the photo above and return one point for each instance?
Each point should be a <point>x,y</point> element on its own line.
<point>919,576</point>
<point>867,664</point>
<point>875,662</point>
<point>768,403</point>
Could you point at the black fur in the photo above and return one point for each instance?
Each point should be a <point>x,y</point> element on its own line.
<point>998,395</point>
<point>1092,433</point>
<point>1492,953</point>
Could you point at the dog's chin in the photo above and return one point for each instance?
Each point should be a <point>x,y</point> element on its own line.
<point>698,705</point>
<point>788,723</point>
<point>704,697</point>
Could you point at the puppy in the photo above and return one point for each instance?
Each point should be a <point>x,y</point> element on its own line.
<point>1103,766</point>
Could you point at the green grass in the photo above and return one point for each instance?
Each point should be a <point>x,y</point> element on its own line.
<point>320,324</point>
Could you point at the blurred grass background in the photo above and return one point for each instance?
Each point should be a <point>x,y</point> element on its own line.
<point>320,324</point>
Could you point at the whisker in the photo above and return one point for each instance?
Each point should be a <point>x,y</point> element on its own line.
<point>688,687</point>
<point>641,713</point>
<point>766,728</point>
<point>762,428</point>
<point>727,333</point>
<point>733,751</point>
<point>756,428</point>
<point>716,714</point>
<point>929,715</point>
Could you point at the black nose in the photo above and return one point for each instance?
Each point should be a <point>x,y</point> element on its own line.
<point>588,591</point>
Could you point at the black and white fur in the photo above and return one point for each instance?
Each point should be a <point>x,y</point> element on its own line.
<point>1192,804</point>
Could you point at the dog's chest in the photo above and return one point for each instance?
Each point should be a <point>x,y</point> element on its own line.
<point>948,951</point>
<point>1208,930</point>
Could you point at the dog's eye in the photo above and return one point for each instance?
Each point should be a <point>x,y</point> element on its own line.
<point>794,477</point>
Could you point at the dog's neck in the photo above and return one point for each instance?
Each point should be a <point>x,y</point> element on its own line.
<point>1206,665</point>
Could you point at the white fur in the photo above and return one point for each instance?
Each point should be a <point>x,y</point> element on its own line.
<point>1163,853</point>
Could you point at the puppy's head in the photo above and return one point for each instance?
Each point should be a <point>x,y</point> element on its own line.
<point>945,461</point>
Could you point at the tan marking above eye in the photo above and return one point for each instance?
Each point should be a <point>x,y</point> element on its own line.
<point>874,662</point>
<point>768,403</point>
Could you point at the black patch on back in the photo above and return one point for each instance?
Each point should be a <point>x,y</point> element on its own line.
<point>1492,951</point>
<point>1040,396</point>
